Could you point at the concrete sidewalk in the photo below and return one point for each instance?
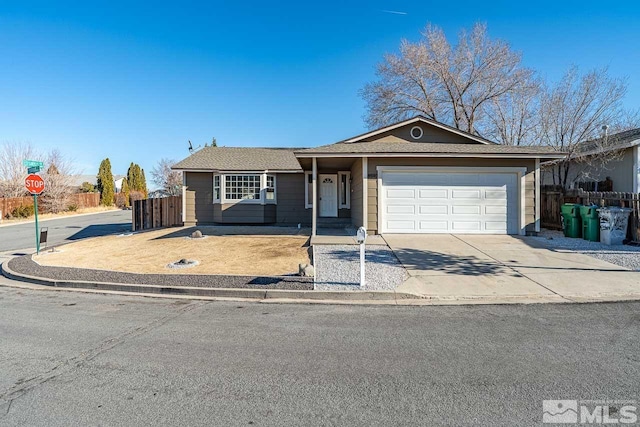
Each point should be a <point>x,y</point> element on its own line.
<point>475,266</point>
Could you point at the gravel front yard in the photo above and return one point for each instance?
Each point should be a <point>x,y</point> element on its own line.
<point>624,256</point>
<point>338,268</point>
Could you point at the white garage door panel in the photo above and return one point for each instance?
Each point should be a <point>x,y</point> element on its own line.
<point>440,202</point>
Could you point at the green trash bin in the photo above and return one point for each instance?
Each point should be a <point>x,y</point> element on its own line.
<point>590,223</point>
<point>572,224</point>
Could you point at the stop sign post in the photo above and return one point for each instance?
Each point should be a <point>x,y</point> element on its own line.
<point>35,185</point>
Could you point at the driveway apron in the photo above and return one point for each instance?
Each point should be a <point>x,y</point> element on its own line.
<point>476,266</point>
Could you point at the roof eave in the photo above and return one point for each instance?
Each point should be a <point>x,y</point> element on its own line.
<point>218,170</point>
<point>414,154</point>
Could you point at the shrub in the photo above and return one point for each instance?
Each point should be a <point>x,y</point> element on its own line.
<point>87,187</point>
<point>136,195</point>
<point>121,200</point>
<point>72,208</point>
<point>23,211</point>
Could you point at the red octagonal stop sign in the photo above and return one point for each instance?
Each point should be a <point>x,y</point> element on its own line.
<point>34,184</point>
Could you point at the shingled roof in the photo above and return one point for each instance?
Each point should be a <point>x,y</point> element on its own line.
<point>383,147</point>
<point>241,159</point>
<point>616,141</point>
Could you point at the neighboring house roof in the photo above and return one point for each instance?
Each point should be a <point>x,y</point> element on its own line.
<point>415,120</point>
<point>78,180</point>
<point>157,194</point>
<point>616,141</point>
<point>379,147</point>
<point>240,159</point>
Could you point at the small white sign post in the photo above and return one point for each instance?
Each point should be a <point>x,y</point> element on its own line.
<point>361,237</point>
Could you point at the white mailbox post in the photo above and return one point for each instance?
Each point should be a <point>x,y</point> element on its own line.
<point>361,237</point>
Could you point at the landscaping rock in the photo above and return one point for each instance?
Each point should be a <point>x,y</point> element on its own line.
<point>339,268</point>
<point>306,270</point>
<point>197,234</point>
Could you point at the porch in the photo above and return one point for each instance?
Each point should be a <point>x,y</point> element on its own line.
<point>334,193</point>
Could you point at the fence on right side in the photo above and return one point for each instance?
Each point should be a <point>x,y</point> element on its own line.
<point>551,199</point>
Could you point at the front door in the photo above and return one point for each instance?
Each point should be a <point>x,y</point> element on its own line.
<point>328,195</point>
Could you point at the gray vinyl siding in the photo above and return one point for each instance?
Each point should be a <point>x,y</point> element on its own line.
<point>429,134</point>
<point>242,213</point>
<point>619,170</point>
<point>356,193</point>
<point>199,198</point>
<point>290,209</point>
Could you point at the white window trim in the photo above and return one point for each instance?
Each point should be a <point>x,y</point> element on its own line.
<point>219,188</point>
<point>307,205</point>
<point>247,201</point>
<point>347,189</point>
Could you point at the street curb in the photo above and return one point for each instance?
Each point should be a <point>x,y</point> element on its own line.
<point>277,296</point>
<point>200,292</point>
<point>30,221</point>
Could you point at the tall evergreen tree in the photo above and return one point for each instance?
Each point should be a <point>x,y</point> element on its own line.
<point>136,179</point>
<point>105,183</point>
<point>143,183</point>
<point>125,191</point>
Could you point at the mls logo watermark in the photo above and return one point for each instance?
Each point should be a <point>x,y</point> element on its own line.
<point>589,412</point>
<point>560,411</point>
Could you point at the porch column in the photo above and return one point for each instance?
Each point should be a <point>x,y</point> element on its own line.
<point>365,185</point>
<point>184,199</point>
<point>537,195</point>
<point>314,206</point>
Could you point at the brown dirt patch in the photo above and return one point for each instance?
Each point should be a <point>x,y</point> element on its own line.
<point>150,252</point>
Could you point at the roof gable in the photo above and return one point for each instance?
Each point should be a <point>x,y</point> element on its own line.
<point>428,131</point>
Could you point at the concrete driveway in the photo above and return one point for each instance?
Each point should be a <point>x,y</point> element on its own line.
<point>504,267</point>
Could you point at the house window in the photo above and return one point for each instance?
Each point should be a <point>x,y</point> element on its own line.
<point>242,187</point>
<point>270,190</point>
<point>308,190</point>
<point>216,189</point>
<point>344,180</point>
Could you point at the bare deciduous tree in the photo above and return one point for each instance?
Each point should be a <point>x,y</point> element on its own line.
<point>572,115</point>
<point>167,179</point>
<point>456,85</point>
<point>513,119</point>
<point>56,175</point>
<point>12,172</point>
<point>58,182</point>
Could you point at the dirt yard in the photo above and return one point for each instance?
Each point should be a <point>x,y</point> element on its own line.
<point>222,251</point>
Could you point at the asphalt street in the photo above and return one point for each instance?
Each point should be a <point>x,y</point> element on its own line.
<point>87,359</point>
<point>65,229</point>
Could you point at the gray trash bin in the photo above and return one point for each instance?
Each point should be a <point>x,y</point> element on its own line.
<point>613,225</point>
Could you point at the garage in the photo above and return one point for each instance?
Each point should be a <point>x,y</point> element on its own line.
<point>471,201</point>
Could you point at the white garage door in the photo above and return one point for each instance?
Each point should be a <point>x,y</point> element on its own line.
<point>437,202</point>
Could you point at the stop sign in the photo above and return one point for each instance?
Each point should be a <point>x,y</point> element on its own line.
<point>34,184</point>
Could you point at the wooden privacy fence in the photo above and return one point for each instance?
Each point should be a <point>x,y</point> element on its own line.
<point>551,200</point>
<point>79,200</point>
<point>156,213</point>
<point>614,198</point>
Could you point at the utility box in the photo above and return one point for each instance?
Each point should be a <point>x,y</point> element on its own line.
<point>613,225</point>
<point>44,232</point>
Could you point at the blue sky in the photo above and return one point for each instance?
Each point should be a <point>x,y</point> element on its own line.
<point>134,82</point>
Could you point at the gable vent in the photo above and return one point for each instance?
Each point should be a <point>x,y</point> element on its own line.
<point>416,132</point>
